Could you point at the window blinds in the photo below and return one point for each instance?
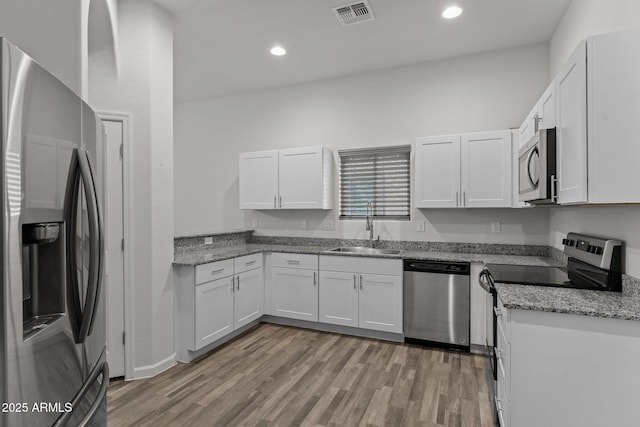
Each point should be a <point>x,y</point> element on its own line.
<point>380,175</point>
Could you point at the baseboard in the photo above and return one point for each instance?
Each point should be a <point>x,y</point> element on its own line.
<point>149,371</point>
<point>326,327</point>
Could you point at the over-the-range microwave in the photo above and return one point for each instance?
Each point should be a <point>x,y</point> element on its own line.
<point>537,169</point>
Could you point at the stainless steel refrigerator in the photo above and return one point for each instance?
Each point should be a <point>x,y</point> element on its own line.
<point>53,368</point>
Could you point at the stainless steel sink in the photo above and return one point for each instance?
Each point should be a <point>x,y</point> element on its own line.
<point>365,250</point>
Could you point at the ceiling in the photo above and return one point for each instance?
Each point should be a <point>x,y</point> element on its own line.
<point>222,46</point>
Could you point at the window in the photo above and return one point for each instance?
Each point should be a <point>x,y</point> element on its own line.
<point>377,175</point>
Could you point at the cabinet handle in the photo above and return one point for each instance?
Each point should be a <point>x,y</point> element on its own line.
<point>500,410</point>
<point>275,205</point>
<point>213,272</point>
<point>464,198</point>
<point>457,198</point>
<point>554,182</point>
<point>250,262</point>
<point>314,279</point>
<point>280,202</point>
<point>499,353</point>
<point>355,287</point>
<point>293,261</point>
<point>361,284</point>
<point>233,285</point>
<point>238,282</point>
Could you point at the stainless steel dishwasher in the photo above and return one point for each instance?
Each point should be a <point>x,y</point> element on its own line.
<point>436,303</point>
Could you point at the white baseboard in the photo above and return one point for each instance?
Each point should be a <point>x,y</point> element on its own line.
<point>148,371</point>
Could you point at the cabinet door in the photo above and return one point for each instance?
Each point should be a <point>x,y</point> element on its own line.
<point>486,169</point>
<point>294,293</point>
<point>338,298</point>
<point>526,130</point>
<point>572,128</point>
<point>214,311</point>
<point>380,302</point>
<point>248,304</point>
<point>547,108</point>
<point>301,178</point>
<point>258,180</point>
<point>437,172</point>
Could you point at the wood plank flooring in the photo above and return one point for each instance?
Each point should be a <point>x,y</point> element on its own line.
<point>282,376</point>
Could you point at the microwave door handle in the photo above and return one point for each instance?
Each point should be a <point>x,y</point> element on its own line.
<point>70,215</point>
<point>95,246</point>
<point>533,183</point>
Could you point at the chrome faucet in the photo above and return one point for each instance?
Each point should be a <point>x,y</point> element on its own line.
<point>368,224</point>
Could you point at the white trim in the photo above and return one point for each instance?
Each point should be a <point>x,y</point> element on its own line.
<point>127,205</point>
<point>149,371</point>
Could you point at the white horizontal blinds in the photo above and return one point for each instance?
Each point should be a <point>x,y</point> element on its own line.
<point>380,175</point>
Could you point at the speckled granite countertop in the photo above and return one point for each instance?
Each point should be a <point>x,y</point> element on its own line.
<point>615,305</point>
<point>203,256</point>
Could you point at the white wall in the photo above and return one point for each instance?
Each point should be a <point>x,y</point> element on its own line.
<point>584,18</point>
<point>49,32</point>
<point>589,17</point>
<point>473,93</point>
<point>142,86</point>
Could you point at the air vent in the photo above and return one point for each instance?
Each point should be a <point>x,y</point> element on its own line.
<point>354,13</point>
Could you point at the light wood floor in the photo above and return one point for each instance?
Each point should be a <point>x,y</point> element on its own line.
<point>282,376</point>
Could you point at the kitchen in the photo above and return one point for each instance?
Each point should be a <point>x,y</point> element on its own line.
<point>189,184</point>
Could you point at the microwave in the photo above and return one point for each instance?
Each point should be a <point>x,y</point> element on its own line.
<point>537,176</point>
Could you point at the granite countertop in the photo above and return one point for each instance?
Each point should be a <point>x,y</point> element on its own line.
<point>203,256</point>
<point>615,305</point>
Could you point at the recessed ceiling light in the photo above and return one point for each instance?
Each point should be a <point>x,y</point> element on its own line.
<point>278,51</point>
<point>452,12</point>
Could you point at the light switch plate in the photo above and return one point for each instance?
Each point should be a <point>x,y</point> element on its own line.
<point>328,224</point>
<point>495,226</point>
<point>420,225</point>
<point>254,223</point>
<point>303,224</point>
<point>208,240</point>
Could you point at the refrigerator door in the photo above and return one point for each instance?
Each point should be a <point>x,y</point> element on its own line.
<point>43,366</point>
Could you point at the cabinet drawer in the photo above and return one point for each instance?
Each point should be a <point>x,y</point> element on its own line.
<point>246,263</point>
<point>304,261</point>
<point>389,267</point>
<point>214,270</point>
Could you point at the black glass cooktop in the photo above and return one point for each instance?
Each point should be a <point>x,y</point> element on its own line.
<point>530,275</point>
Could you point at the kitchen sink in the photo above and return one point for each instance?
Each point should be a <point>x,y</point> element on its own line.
<point>365,250</point>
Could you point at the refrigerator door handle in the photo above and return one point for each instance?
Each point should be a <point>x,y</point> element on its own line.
<point>95,245</point>
<point>100,369</point>
<point>70,219</point>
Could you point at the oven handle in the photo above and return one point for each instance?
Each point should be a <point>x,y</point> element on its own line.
<point>534,151</point>
<point>486,281</point>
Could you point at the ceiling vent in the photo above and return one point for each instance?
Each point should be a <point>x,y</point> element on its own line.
<point>354,13</point>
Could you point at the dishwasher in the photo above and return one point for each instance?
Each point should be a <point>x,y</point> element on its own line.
<point>436,303</point>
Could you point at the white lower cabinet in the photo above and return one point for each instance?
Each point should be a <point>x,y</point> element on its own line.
<point>213,311</point>
<point>339,298</point>
<point>294,293</point>
<point>354,293</point>
<point>248,301</point>
<point>380,303</point>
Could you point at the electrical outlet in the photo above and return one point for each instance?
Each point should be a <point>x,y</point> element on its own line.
<point>208,240</point>
<point>303,224</point>
<point>420,225</point>
<point>254,224</point>
<point>328,224</point>
<point>495,226</point>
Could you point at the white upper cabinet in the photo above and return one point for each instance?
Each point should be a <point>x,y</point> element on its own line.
<point>486,169</point>
<point>295,178</point>
<point>437,172</point>
<point>303,173</point>
<point>469,170</point>
<point>258,180</point>
<point>542,116</point>
<point>613,82</point>
<point>571,131</point>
